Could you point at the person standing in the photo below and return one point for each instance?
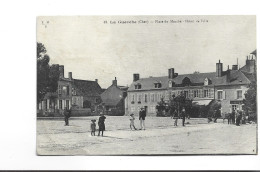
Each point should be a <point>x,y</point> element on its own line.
<point>101,124</point>
<point>238,119</point>
<point>67,114</point>
<point>142,115</point>
<point>233,117</point>
<point>183,114</point>
<point>175,117</point>
<point>132,121</point>
<point>93,127</point>
<point>229,118</point>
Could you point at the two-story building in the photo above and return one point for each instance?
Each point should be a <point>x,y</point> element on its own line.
<point>228,87</point>
<point>71,92</point>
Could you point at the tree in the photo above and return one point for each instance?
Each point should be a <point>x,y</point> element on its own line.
<point>47,76</point>
<point>250,106</point>
<point>42,71</point>
<point>161,107</point>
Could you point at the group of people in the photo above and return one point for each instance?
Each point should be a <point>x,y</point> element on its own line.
<point>142,115</point>
<point>101,125</point>
<point>234,118</point>
<point>176,116</point>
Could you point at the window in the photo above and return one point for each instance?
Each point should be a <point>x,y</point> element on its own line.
<point>152,97</point>
<point>145,98</point>
<point>138,86</point>
<point>139,98</point>
<point>60,104</point>
<point>68,89</point>
<point>152,108</point>
<point>74,100</point>
<point>196,93</point>
<point>206,93</point>
<point>234,107</point>
<point>73,91</point>
<point>239,94</point>
<point>132,108</point>
<point>157,85</point>
<point>186,94</point>
<point>67,104</point>
<point>64,90</point>
<point>220,95</point>
<point>59,90</point>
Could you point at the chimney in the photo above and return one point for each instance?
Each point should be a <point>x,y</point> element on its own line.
<point>171,73</point>
<point>114,82</point>
<point>234,67</point>
<point>61,70</point>
<point>219,69</point>
<point>228,75</point>
<point>70,75</point>
<point>96,80</point>
<point>136,77</point>
<point>250,65</point>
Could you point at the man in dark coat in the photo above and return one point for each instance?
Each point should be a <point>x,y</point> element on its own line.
<point>239,116</point>
<point>142,115</point>
<point>101,124</point>
<point>233,117</point>
<point>183,115</point>
<point>67,114</point>
<point>175,117</point>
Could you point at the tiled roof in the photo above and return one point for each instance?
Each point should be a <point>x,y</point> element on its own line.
<point>250,76</point>
<point>87,88</point>
<point>236,77</point>
<point>112,96</point>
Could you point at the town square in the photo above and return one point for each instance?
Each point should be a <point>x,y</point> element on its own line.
<point>160,95</point>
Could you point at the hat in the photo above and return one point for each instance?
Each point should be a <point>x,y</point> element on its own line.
<point>131,114</point>
<point>93,120</point>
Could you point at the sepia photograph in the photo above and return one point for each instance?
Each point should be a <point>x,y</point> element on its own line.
<point>146,85</point>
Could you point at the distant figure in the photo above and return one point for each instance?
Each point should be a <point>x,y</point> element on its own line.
<point>132,121</point>
<point>239,116</point>
<point>216,115</point>
<point>142,115</point>
<point>175,117</point>
<point>67,114</point>
<point>101,124</point>
<point>183,114</point>
<point>93,127</point>
<point>171,114</point>
<point>233,117</point>
<point>229,118</point>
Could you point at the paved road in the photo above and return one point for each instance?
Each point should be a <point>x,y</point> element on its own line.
<point>160,137</point>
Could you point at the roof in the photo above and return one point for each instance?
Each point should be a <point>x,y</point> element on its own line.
<point>112,96</point>
<point>236,77</point>
<point>250,76</point>
<point>86,88</point>
<point>254,52</point>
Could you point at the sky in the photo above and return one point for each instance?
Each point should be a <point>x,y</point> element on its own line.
<point>92,49</point>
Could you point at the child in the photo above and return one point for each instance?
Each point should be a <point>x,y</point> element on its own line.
<point>101,124</point>
<point>132,121</point>
<point>93,127</point>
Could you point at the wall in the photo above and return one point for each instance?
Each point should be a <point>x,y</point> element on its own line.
<point>230,96</point>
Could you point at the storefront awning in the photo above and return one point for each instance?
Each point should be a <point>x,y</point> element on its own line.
<point>201,102</point>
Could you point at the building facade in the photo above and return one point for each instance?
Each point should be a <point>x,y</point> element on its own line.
<point>113,99</point>
<point>71,93</point>
<point>228,87</point>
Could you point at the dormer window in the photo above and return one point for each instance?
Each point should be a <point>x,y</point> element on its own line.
<point>186,81</point>
<point>138,86</point>
<point>157,85</point>
<point>171,83</point>
<point>207,81</point>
